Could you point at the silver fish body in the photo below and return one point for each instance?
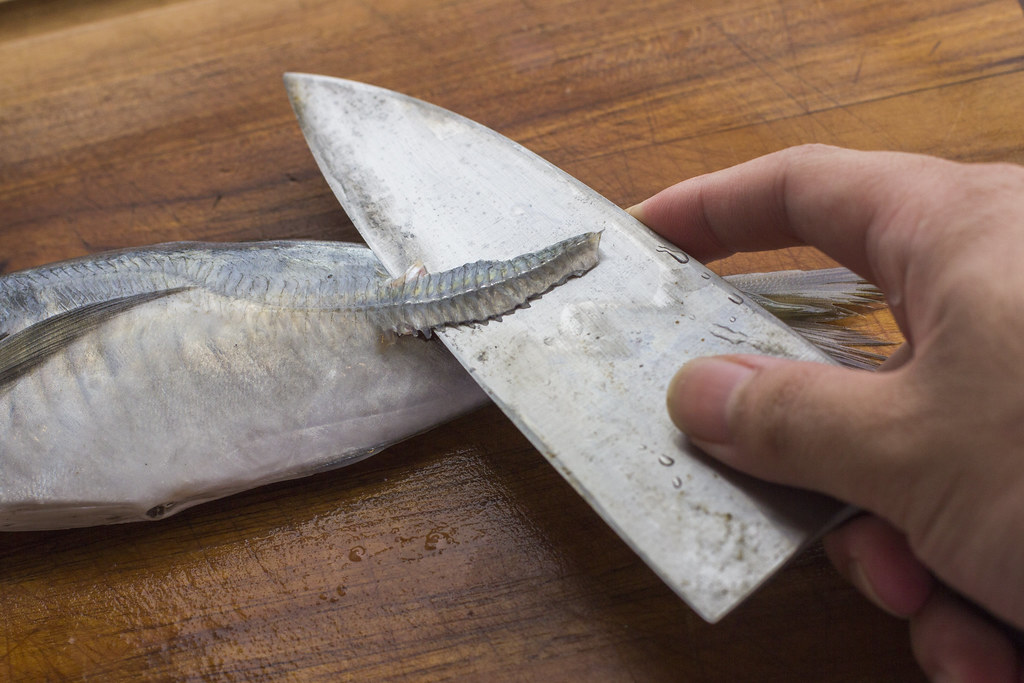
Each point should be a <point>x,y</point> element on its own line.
<point>234,366</point>
<point>138,383</point>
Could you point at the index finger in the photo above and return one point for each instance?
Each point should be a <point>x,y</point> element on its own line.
<point>838,200</point>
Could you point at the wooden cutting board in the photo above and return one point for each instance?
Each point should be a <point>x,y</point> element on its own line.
<point>461,553</point>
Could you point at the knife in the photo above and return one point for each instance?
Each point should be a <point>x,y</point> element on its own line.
<point>582,372</point>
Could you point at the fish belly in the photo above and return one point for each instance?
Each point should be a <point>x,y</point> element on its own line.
<point>197,396</point>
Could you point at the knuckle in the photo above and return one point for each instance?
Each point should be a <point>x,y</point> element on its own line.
<point>1005,173</point>
<point>810,149</point>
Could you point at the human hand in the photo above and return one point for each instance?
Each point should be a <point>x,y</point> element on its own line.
<point>932,447</point>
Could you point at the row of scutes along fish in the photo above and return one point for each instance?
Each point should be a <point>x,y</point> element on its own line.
<point>476,292</point>
<point>45,308</point>
<point>296,275</point>
<point>42,310</point>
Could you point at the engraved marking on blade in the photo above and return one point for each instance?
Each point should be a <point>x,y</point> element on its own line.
<point>728,334</point>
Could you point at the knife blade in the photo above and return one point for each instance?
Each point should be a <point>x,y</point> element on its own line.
<point>582,372</point>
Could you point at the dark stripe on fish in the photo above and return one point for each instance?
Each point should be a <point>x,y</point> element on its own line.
<point>24,350</point>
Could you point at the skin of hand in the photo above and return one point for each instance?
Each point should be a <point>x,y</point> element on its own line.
<point>932,446</point>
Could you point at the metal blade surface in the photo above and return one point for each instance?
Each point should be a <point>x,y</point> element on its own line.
<point>582,372</point>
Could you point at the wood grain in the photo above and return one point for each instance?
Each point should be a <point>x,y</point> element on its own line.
<point>461,553</point>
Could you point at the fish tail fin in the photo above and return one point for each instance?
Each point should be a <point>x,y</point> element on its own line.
<point>824,294</point>
<point>814,302</point>
<point>846,346</point>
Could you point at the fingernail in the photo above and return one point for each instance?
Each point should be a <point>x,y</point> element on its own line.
<point>856,576</point>
<point>699,396</point>
<point>637,211</point>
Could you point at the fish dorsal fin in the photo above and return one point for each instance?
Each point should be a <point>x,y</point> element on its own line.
<point>27,348</point>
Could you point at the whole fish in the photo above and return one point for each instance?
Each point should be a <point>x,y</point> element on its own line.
<point>138,383</point>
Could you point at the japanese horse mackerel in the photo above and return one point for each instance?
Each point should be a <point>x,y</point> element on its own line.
<point>135,384</point>
<point>138,383</point>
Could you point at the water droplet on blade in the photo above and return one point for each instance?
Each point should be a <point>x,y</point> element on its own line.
<point>677,255</point>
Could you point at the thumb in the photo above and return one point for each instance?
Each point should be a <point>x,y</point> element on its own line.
<point>829,429</point>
